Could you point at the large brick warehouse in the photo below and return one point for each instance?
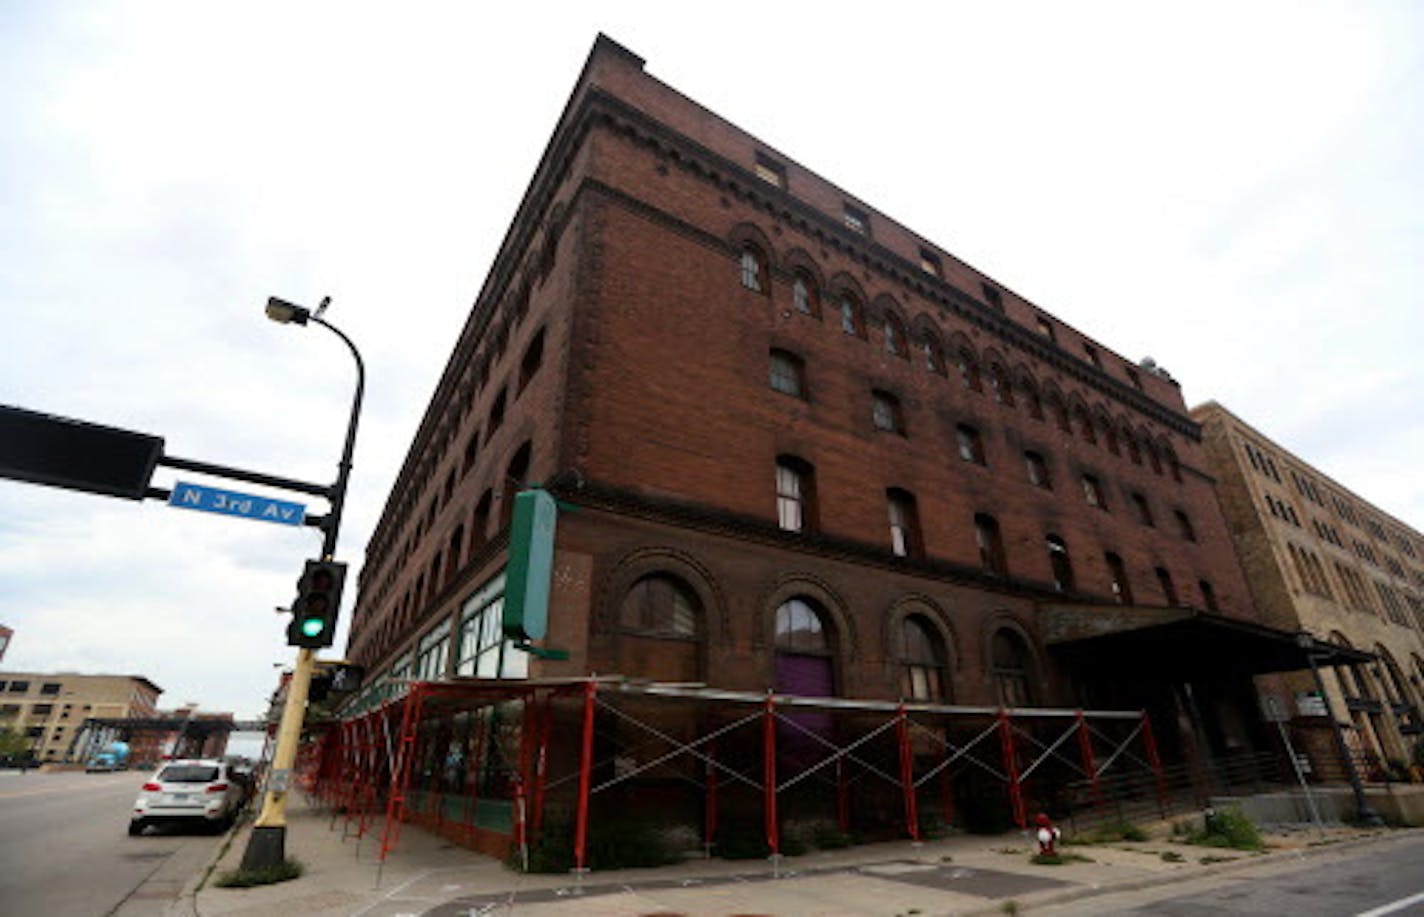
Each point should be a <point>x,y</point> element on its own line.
<point>800,449</point>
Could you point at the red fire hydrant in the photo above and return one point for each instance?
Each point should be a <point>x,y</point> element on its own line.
<point>1047,834</point>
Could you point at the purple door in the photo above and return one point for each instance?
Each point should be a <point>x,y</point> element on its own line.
<point>804,676</point>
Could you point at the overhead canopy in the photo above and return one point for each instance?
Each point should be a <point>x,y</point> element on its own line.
<point>1179,642</point>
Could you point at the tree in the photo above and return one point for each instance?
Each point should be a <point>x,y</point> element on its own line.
<point>12,742</point>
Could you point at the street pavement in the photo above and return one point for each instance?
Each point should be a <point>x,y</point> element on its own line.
<point>65,852</point>
<point>964,874</point>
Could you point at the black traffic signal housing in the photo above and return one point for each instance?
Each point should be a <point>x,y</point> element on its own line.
<point>318,602</point>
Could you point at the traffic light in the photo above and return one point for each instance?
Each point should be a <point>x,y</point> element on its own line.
<point>318,601</point>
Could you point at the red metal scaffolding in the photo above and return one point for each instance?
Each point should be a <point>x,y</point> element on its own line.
<point>367,764</point>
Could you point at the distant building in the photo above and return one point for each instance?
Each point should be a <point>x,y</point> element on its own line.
<point>50,708</point>
<point>1319,558</point>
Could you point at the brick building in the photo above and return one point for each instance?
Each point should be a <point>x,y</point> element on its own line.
<point>50,708</point>
<point>1319,558</point>
<point>807,449</point>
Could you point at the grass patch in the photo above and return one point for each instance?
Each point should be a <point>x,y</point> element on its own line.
<point>1227,828</point>
<point>1058,859</point>
<point>1010,907</point>
<point>1208,860</point>
<point>1172,856</point>
<point>289,869</point>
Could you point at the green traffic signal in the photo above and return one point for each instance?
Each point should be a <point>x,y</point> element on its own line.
<point>314,612</point>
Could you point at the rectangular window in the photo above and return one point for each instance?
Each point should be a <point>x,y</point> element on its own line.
<point>484,651</point>
<point>903,533</point>
<point>1093,492</point>
<point>19,687</point>
<point>885,413</point>
<point>770,171</point>
<point>1144,511</point>
<point>433,653</point>
<point>971,445</point>
<point>786,373</point>
<point>1037,471</point>
<point>50,688</point>
<point>856,220</point>
<point>41,709</point>
<point>790,509</point>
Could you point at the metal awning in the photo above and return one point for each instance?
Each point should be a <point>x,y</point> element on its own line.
<point>1172,642</point>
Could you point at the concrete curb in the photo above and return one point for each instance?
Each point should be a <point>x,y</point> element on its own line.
<point>1065,896</point>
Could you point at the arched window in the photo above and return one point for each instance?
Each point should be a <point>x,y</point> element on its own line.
<point>1034,403</point>
<point>895,343</point>
<point>1010,666</point>
<point>804,295</point>
<point>801,628</point>
<point>1110,437</point>
<point>969,371</point>
<point>922,661</point>
<point>804,665</point>
<point>1085,426</point>
<point>1060,563</point>
<point>663,605</point>
<point>999,383</point>
<point>934,356</point>
<point>753,269</point>
<point>659,626</point>
<point>1134,452</point>
<point>852,321</point>
<point>1060,413</point>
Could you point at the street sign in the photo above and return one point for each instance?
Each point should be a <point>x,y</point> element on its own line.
<point>232,503</point>
<point>60,452</point>
<point>531,565</point>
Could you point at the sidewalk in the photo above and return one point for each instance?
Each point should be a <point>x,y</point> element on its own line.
<point>964,874</point>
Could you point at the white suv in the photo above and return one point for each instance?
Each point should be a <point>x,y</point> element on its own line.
<point>199,792</point>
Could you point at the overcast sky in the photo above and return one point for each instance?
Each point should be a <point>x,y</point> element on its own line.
<point>1235,190</point>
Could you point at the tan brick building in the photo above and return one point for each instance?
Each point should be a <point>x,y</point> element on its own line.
<point>1319,558</point>
<point>49,709</point>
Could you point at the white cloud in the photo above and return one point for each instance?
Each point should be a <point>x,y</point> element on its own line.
<point>1232,188</point>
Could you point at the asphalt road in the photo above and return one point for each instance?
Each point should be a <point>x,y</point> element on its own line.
<point>1379,880</point>
<point>65,851</point>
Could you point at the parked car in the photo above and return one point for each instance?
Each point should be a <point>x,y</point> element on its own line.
<point>199,792</point>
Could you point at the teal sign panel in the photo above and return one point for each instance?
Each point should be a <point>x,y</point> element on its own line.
<point>531,565</point>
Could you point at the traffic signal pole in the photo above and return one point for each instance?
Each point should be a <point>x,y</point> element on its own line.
<point>266,847</point>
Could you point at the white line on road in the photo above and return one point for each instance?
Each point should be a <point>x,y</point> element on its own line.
<point>1392,907</point>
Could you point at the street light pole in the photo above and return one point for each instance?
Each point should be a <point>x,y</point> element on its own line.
<point>267,844</point>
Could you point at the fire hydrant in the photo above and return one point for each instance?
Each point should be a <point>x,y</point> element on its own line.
<point>1047,835</point>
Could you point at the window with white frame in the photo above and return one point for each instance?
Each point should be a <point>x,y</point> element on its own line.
<point>484,651</point>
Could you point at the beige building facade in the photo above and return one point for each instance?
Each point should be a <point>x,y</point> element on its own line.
<point>49,709</point>
<point>1321,559</point>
